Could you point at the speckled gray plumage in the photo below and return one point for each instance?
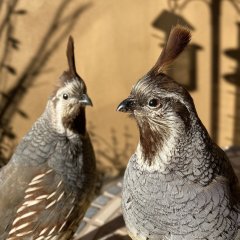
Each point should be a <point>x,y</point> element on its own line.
<point>49,182</point>
<point>190,200</point>
<point>178,185</point>
<point>42,148</point>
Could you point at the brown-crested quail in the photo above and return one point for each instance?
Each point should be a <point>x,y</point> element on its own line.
<point>179,184</point>
<point>49,182</point>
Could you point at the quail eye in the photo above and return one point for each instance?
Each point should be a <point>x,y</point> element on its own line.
<point>153,103</point>
<point>65,96</point>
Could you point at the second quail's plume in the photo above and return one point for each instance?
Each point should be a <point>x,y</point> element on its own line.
<point>178,39</point>
<point>49,182</point>
<point>178,184</point>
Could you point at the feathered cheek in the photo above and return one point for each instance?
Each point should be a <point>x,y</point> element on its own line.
<point>73,105</point>
<point>70,107</point>
<point>155,114</point>
<point>137,114</point>
<point>73,109</point>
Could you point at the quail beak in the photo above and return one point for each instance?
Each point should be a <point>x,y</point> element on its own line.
<point>126,105</point>
<point>85,100</point>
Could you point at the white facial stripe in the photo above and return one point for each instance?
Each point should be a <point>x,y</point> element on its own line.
<point>64,107</point>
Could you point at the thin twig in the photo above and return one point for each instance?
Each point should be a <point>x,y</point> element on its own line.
<point>27,77</point>
<point>10,10</point>
<point>6,55</point>
<point>6,45</point>
<point>1,4</point>
<point>54,45</point>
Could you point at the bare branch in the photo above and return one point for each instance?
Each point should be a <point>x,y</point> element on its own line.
<point>8,107</point>
<point>10,10</point>
<point>1,4</point>
<point>6,45</point>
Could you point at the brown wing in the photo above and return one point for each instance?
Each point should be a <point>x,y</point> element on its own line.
<point>46,210</point>
<point>13,182</point>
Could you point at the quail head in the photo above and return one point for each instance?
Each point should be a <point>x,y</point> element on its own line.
<point>179,184</point>
<point>48,184</point>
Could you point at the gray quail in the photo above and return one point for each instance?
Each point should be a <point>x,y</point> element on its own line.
<point>179,184</point>
<point>49,182</point>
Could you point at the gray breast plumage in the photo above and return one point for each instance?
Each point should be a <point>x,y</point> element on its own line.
<point>167,206</point>
<point>47,186</point>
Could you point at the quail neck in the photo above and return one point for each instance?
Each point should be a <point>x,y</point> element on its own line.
<point>165,114</point>
<point>49,182</point>
<point>178,184</point>
<point>171,133</point>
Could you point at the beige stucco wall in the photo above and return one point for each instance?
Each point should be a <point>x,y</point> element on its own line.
<point>229,38</point>
<point>115,45</point>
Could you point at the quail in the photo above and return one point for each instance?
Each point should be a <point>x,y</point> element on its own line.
<point>178,184</point>
<point>49,182</point>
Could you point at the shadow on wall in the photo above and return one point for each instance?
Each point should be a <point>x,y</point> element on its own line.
<point>112,156</point>
<point>185,68</point>
<point>234,78</point>
<point>60,28</point>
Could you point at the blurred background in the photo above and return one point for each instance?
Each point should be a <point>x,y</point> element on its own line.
<point>116,43</point>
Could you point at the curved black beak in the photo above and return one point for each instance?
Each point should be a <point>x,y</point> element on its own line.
<point>126,105</point>
<point>86,100</point>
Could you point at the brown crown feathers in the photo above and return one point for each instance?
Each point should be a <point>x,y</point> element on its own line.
<point>71,58</point>
<point>150,84</point>
<point>178,39</point>
<point>71,74</point>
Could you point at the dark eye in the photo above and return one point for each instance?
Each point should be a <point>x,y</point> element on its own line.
<point>65,96</point>
<point>154,103</point>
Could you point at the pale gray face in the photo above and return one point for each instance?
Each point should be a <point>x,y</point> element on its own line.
<point>162,108</point>
<point>160,101</point>
<point>72,92</point>
<point>69,102</point>
<point>69,99</point>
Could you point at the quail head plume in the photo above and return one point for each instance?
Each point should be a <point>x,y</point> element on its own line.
<point>178,184</point>
<point>49,181</point>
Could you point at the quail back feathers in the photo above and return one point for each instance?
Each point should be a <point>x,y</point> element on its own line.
<point>179,184</point>
<point>48,184</point>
